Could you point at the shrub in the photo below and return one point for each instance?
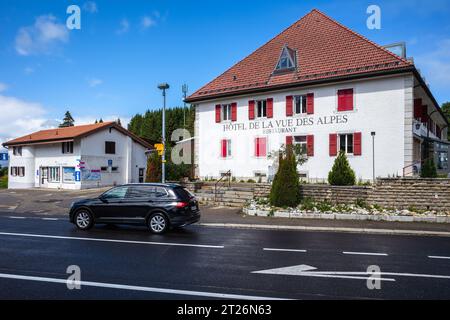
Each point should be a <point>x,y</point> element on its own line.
<point>429,169</point>
<point>342,174</point>
<point>153,173</point>
<point>285,189</point>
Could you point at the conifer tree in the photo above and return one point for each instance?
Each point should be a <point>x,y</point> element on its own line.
<point>341,174</point>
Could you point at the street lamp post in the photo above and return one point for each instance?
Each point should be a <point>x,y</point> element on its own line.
<point>373,155</point>
<point>163,87</point>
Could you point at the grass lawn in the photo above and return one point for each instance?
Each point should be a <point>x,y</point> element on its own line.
<point>4,182</point>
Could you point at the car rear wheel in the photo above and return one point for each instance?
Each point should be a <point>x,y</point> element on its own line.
<point>83,219</point>
<point>158,223</point>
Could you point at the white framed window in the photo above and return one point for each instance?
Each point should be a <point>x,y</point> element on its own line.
<point>346,143</point>
<point>300,104</point>
<point>67,147</point>
<point>261,108</point>
<point>302,141</point>
<point>21,171</point>
<point>226,112</point>
<point>14,171</point>
<point>225,148</point>
<point>287,60</point>
<point>17,151</point>
<point>54,174</point>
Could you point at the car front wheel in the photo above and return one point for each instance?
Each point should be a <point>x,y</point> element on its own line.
<point>157,223</point>
<point>83,220</point>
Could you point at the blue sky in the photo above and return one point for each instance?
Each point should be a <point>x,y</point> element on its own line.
<point>111,67</point>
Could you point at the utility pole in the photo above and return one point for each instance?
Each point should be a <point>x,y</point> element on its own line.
<point>163,87</point>
<point>373,156</point>
<point>184,88</point>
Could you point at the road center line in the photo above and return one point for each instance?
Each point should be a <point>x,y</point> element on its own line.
<point>111,240</point>
<point>139,288</point>
<point>16,217</point>
<point>365,253</point>
<point>284,250</point>
<point>439,257</point>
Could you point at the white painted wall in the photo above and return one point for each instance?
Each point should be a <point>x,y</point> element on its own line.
<point>379,106</point>
<point>25,160</point>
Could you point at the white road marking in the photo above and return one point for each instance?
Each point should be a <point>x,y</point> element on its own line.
<point>307,271</point>
<point>140,288</point>
<point>439,257</point>
<point>111,240</point>
<point>50,219</point>
<point>16,217</point>
<point>365,253</point>
<point>284,250</point>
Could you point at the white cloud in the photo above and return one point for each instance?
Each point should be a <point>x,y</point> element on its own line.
<point>435,65</point>
<point>3,86</point>
<point>90,6</point>
<point>124,26</point>
<point>20,117</point>
<point>147,22</point>
<point>28,70</point>
<point>42,37</point>
<point>93,82</point>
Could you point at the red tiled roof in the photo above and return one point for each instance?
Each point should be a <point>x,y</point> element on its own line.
<point>325,50</point>
<point>70,133</point>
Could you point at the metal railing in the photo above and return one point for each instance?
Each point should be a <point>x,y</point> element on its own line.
<point>221,180</point>
<point>412,167</point>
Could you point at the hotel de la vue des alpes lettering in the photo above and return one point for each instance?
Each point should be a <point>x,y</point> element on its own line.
<point>288,125</point>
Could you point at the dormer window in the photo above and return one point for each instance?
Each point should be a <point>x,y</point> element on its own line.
<point>287,61</point>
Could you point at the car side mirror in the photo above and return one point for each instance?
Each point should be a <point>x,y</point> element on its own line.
<point>103,199</point>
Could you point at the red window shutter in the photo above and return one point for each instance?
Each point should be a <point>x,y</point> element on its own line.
<point>251,110</point>
<point>417,108</point>
<point>345,100</point>
<point>269,105</point>
<point>261,147</point>
<point>256,147</point>
<point>224,148</point>
<point>357,144</point>
<point>289,106</point>
<point>289,140</point>
<point>333,144</point>
<point>218,110</point>
<point>234,111</point>
<point>424,114</point>
<point>310,145</point>
<point>310,103</point>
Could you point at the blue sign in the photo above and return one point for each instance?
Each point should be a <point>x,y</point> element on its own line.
<point>110,163</point>
<point>3,157</point>
<point>77,176</point>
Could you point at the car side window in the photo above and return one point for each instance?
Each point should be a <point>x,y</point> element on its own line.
<point>160,193</point>
<point>116,193</point>
<point>141,192</point>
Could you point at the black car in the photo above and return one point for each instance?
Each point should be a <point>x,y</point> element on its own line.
<point>159,206</point>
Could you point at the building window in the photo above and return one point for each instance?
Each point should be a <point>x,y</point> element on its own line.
<point>345,100</point>
<point>301,141</point>
<point>225,146</point>
<point>104,168</point>
<point>54,174</point>
<point>17,151</point>
<point>287,60</point>
<point>300,104</point>
<point>69,174</point>
<point>110,147</point>
<point>115,169</point>
<point>261,147</point>
<point>21,171</point>
<point>226,112</point>
<point>261,109</point>
<point>346,143</point>
<point>67,147</point>
<point>14,171</point>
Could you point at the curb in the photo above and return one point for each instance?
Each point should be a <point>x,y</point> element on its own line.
<point>327,229</point>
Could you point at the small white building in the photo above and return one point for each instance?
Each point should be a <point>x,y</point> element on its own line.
<point>322,86</point>
<point>78,157</point>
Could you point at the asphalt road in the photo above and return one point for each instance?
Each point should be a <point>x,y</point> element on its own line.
<point>210,263</point>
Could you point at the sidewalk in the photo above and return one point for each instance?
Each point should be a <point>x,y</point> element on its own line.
<point>233,218</point>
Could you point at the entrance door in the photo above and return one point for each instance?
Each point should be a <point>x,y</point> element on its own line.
<point>44,177</point>
<point>141,175</point>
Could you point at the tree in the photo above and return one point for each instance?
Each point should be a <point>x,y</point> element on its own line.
<point>154,171</point>
<point>285,191</point>
<point>119,122</point>
<point>429,169</point>
<point>100,121</point>
<point>68,120</point>
<point>341,174</point>
<point>96,121</point>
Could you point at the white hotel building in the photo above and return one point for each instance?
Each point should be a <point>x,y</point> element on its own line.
<point>78,157</point>
<point>323,86</point>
